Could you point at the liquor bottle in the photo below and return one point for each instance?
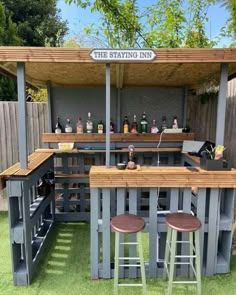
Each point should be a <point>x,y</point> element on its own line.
<point>134,126</point>
<point>112,127</point>
<point>58,127</point>
<point>143,124</point>
<point>154,128</point>
<point>68,128</point>
<point>163,124</point>
<point>79,126</point>
<point>175,123</point>
<point>100,127</point>
<point>126,125</point>
<point>89,124</point>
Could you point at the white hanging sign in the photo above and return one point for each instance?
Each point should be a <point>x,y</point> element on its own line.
<point>122,54</point>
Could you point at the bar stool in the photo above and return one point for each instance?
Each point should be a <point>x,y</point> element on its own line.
<point>128,224</point>
<point>182,222</point>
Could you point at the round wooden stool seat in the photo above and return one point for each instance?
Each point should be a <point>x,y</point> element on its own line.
<point>183,222</point>
<point>127,223</point>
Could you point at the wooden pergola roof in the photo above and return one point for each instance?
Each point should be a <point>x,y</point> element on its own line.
<point>74,67</point>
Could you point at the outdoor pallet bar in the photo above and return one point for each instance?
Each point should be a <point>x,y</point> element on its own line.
<point>88,187</point>
<point>213,205</point>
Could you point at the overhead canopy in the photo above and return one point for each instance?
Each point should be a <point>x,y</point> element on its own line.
<point>74,67</point>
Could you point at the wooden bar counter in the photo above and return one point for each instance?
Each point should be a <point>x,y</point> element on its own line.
<point>212,203</point>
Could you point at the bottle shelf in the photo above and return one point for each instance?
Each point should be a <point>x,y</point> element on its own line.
<point>116,137</point>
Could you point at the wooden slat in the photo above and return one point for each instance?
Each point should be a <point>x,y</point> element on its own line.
<point>34,161</point>
<point>60,176</point>
<point>125,150</point>
<point>117,137</point>
<point>100,176</point>
<point>62,55</point>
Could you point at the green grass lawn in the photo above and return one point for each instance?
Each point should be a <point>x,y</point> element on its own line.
<point>65,269</point>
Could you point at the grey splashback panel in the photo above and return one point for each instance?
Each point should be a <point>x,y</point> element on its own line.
<point>156,102</point>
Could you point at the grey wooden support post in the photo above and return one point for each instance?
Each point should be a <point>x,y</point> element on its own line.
<point>49,106</point>
<point>201,209</point>
<point>213,230</point>
<point>94,238</point>
<point>118,114</point>
<point>185,105</point>
<point>108,113</point>
<point>132,237</point>
<point>121,193</point>
<point>106,233</point>
<point>221,107</point>
<point>22,116</point>
<point>153,233</point>
<point>187,194</point>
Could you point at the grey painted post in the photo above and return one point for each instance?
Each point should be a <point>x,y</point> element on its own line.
<point>201,209</point>
<point>108,115</point>
<point>187,193</point>
<point>22,116</point>
<point>220,120</point>
<point>132,237</point>
<point>185,107</point>
<point>118,114</point>
<point>213,230</point>
<point>153,233</point>
<point>121,210</point>
<point>49,106</point>
<point>106,233</point>
<point>94,238</point>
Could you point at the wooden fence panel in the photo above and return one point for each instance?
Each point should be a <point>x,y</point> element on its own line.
<point>36,122</point>
<point>202,120</point>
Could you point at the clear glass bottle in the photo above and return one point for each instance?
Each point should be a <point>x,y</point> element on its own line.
<point>134,126</point>
<point>100,127</point>
<point>175,122</point>
<point>126,125</point>
<point>58,127</point>
<point>68,128</point>
<point>89,124</point>
<point>163,123</point>
<point>154,128</point>
<point>143,124</point>
<point>79,126</point>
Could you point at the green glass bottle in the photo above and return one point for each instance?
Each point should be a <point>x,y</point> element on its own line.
<point>143,124</point>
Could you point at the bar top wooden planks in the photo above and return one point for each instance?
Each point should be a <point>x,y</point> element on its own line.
<point>101,176</point>
<point>34,161</point>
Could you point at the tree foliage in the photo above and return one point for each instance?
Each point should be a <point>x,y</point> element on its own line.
<point>38,22</point>
<point>229,30</point>
<point>166,23</point>
<point>28,23</point>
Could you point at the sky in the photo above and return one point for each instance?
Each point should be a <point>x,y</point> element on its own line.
<point>78,18</point>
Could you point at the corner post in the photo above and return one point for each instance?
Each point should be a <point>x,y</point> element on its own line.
<point>108,113</point>
<point>22,115</point>
<point>221,107</point>
<point>49,106</point>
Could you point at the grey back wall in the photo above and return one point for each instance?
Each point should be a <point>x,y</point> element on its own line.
<point>77,102</point>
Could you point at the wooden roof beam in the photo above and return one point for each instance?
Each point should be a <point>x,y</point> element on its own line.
<point>119,75</point>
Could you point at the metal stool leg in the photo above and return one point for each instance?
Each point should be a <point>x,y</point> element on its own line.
<point>116,271</point>
<point>191,254</point>
<point>172,261</point>
<point>140,250</point>
<point>167,253</point>
<point>198,263</point>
